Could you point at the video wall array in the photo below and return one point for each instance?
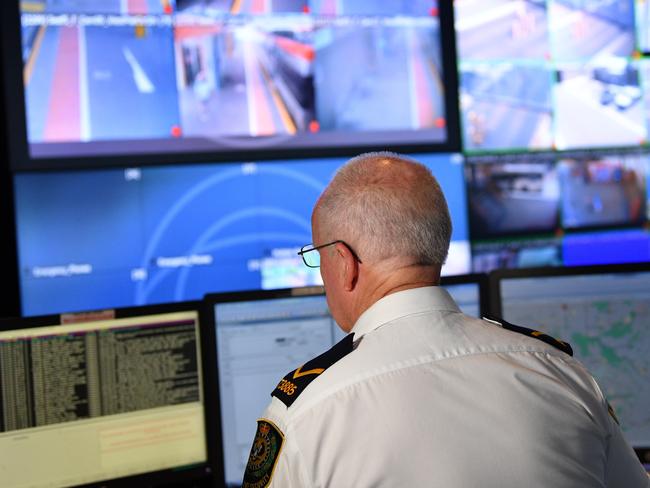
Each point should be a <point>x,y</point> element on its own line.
<point>174,148</point>
<point>107,78</point>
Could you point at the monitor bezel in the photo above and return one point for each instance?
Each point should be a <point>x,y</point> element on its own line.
<point>201,474</point>
<point>495,277</point>
<point>20,158</point>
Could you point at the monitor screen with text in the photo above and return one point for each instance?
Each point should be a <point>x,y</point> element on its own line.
<point>100,400</point>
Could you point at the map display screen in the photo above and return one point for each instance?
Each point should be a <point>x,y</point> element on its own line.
<point>606,318</point>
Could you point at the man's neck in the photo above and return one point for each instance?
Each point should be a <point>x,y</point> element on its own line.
<point>389,278</point>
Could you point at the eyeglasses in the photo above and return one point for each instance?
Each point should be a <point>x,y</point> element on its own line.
<point>312,259</point>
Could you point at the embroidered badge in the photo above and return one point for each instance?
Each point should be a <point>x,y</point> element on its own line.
<point>264,455</point>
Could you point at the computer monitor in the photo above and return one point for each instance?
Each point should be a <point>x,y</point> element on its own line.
<point>157,234</point>
<point>112,397</point>
<point>556,74</point>
<point>604,313</point>
<point>215,78</point>
<point>260,336</point>
<point>581,207</point>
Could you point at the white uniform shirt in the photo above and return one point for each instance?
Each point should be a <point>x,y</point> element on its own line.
<point>432,397</point>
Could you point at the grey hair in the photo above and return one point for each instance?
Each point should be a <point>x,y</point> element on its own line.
<point>387,205</point>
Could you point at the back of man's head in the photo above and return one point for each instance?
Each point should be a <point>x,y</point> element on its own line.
<point>387,206</point>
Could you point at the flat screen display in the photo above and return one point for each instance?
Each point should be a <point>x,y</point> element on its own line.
<point>135,236</point>
<point>96,400</point>
<point>169,77</point>
<point>557,74</point>
<point>545,192</point>
<point>580,207</point>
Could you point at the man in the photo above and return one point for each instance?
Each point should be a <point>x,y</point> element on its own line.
<point>418,394</point>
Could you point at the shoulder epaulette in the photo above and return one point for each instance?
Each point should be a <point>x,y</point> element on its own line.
<point>561,345</point>
<point>293,384</point>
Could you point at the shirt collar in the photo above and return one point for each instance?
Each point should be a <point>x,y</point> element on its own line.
<point>401,304</point>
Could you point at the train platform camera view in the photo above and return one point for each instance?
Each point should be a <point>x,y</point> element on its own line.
<point>604,313</point>
<point>110,397</point>
<point>230,76</point>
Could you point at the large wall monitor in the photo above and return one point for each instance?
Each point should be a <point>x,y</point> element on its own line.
<point>122,237</point>
<point>170,78</point>
<point>260,336</point>
<point>551,208</point>
<point>552,74</point>
<point>112,397</point>
<point>604,313</point>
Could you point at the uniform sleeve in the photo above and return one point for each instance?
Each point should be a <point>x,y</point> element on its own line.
<point>274,460</point>
<point>289,470</point>
<point>623,467</point>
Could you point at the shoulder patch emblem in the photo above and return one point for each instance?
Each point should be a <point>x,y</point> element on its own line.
<point>558,344</point>
<point>264,455</point>
<point>294,383</point>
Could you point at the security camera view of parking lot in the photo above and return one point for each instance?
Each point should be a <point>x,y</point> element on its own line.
<point>230,75</point>
<point>588,47</point>
<point>599,104</point>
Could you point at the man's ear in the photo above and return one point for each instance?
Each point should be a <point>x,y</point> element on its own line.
<point>350,267</point>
